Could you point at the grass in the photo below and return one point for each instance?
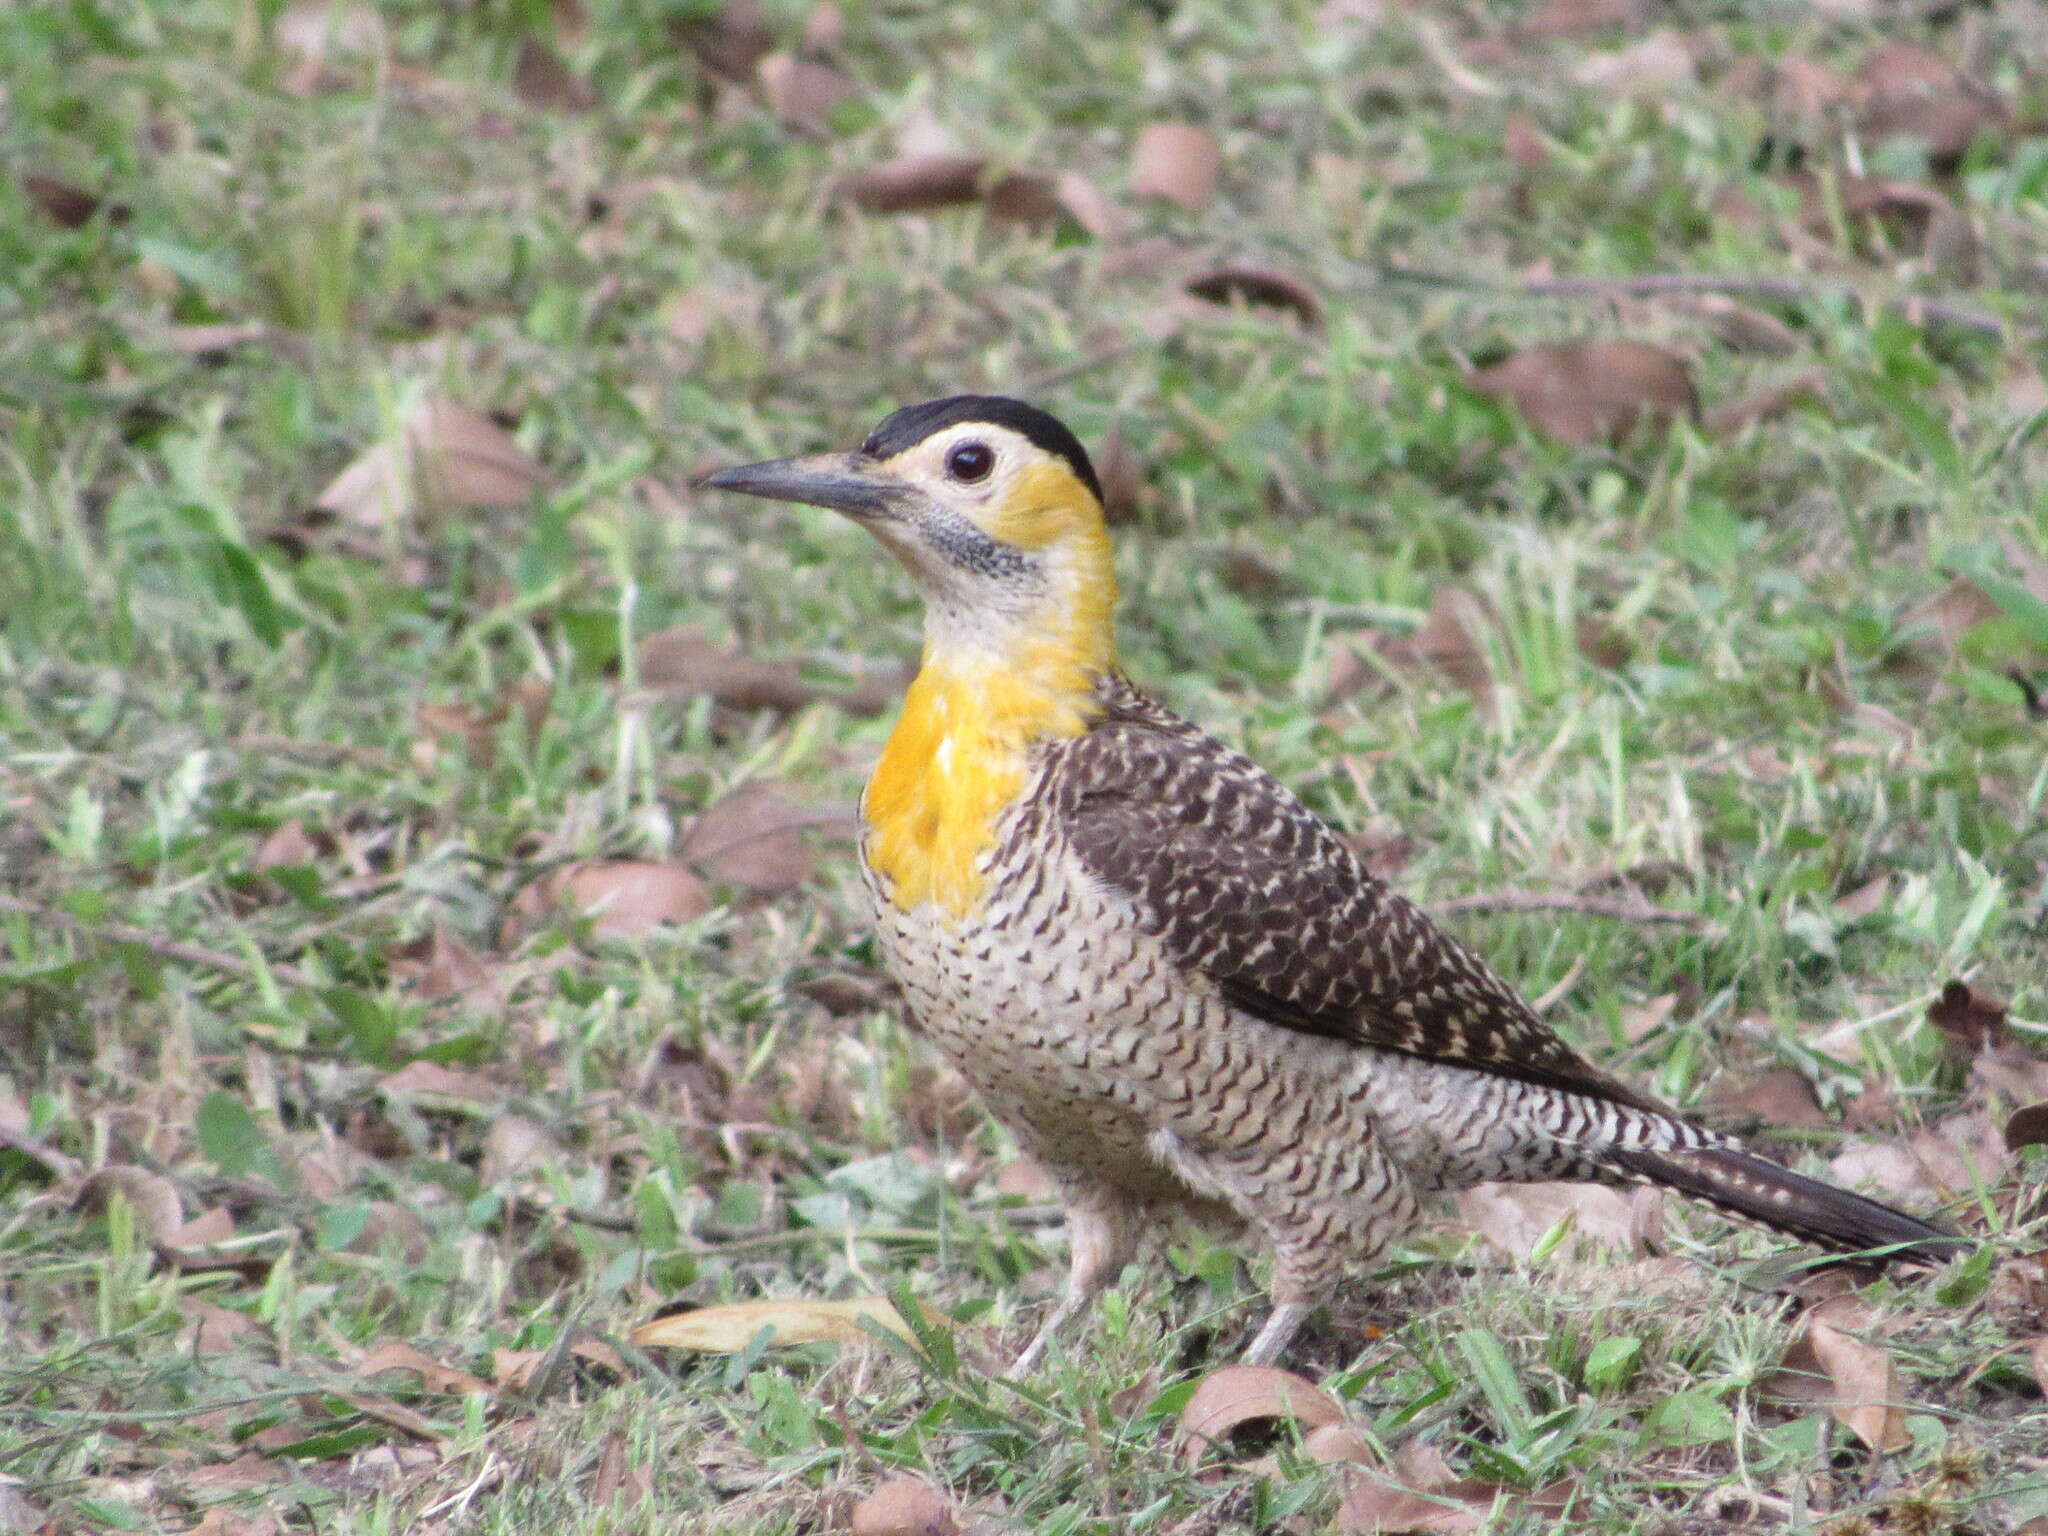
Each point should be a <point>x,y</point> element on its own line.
<point>189,663</point>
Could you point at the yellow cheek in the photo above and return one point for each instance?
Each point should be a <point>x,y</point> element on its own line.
<point>1045,503</point>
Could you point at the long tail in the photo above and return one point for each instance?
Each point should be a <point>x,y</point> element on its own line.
<point>1756,1189</point>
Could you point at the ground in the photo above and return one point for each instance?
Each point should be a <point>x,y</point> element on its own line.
<point>431,941</point>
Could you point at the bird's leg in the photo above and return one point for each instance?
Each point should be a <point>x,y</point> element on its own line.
<point>1281,1327</point>
<point>1102,1237</point>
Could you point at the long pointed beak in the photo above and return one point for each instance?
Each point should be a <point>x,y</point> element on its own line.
<point>845,482</point>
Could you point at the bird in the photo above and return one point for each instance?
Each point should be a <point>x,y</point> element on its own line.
<point>1178,987</point>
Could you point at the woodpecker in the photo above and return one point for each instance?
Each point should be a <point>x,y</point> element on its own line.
<point>1180,989</point>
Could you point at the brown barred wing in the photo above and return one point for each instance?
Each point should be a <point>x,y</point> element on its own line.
<point>1251,889</point>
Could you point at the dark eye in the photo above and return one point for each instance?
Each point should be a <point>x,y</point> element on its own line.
<point>970,461</point>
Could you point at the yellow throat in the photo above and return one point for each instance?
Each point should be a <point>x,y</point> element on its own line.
<point>959,754</point>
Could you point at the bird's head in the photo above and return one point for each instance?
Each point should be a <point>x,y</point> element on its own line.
<point>992,506</point>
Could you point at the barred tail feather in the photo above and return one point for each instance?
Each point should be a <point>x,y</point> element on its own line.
<point>1758,1190</point>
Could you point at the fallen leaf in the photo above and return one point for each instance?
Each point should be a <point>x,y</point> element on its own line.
<point>287,845</point>
<point>61,202</point>
<point>1867,900</point>
<point>1090,207</point>
<point>1260,287</point>
<point>1234,1396</point>
<point>1448,641</point>
<point>541,79</point>
<point>731,42</point>
<point>315,32</point>
<point>615,1482</point>
<point>1522,139</point>
<point>1576,18</point>
<point>429,1079</point>
<point>444,456</point>
<point>726,1330</point>
<point>1967,1018</point>
<point>1904,210</point>
<point>685,662</point>
<point>620,898</point>
<point>1805,89</point>
<point>2027,1127</point>
<point>1516,1217</point>
<point>1864,1391</point>
<point>433,1375</point>
<point>802,92</point>
<point>514,1145</point>
<point>904,1506</point>
<point>1782,1097</point>
<point>472,731</point>
<point>216,340</point>
<point>1904,91</point>
<point>752,838</point>
<point>2038,1358</point>
<point>1766,404</point>
<point>153,1198</point>
<point>1951,613</point>
<point>1373,1503</point>
<point>1178,162</point>
<point>1024,197</point>
<point>1591,392</point>
<point>914,183</point>
<point>1653,66</point>
<point>1741,328</point>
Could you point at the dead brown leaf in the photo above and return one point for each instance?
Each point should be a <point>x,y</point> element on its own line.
<point>1236,1396</point>
<point>905,1506</point>
<point>1951,614</point>
<point>1967,1018</point>
<point>730,43</point>
<point>1090,207</point>
<point>1655,66</point>
<point>1577,18</point>
<point>802,92</point>
<point>63,203</point>
<point>752,838</point>
<point>154,1199</point>
<point>445,456</point>
<point>434,1376</point>
<point>1904,91</point>
<point>1024,197</point>
<point>286,845</point>
<point>1865,1393</point>
<point>1782,1097</point>
<point>1448,640</point>
<point>615,1482</point>
<point>2027,1127</point>
<point>1904,211</point>
<point>2037,1357</point>
<point>684,662</point>
<point>1178,162</point>
<point>914,183</point>
<point>726,1330</point>
<point>1260,287</point>
<point>541,79</point>
<point>1591,391</point>
<point>1373,1503</point>
<point>515,1145</point>
<point>314,34</point>
<point>1806,89</point>
<point>1766,404</point>
<point>1515,1217</point>
<point>621,898</point>
<point>430,1080</point>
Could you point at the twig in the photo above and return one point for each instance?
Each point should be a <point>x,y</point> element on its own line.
<point>1565,901</point>
<point>1558,993</point>
<point>1914,307</point>
<point>156,944</point>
